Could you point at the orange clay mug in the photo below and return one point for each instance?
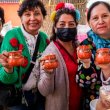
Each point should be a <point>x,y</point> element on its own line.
<point>15,58</point>
<point>102,56</point>
<point>50,61</point>
<point>84,52</point>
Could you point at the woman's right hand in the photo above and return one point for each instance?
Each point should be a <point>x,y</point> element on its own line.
<point>85,62</point>
<point>4,61</point>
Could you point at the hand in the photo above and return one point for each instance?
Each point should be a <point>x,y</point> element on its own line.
<point>85,62</point>
<point>4,61</point>
<point>47,70</point>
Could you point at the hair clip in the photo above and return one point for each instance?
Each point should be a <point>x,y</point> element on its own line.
<point>64,5</point>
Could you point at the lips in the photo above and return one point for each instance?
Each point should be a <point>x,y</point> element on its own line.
<point>101,27</point>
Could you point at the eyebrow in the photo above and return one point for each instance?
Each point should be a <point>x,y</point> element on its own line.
<point>33,9</point>
<point>68,21</point>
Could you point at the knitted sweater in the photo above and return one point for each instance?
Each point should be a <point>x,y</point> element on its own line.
<point>13,41</point>
<point>55,86</point>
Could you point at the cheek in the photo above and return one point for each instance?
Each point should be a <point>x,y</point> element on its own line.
<point>93,26</point>
<point>108,23</point>
<point>24,21</point>
<point>40,19</point>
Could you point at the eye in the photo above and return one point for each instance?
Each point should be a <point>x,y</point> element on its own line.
<point>105,16</point>
<point>71,24</point>
<point>95,18</point>
<point>36,13</point>
<point>27,14</point>
<point>62,25</point>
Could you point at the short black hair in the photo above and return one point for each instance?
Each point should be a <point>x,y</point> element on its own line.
<point>30,4</point>
<point>95,4</point>
<point>2,15</point>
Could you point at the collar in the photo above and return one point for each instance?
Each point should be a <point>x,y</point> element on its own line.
<point>27,35</point>
<point>98,41</point>
<point>104,82</point>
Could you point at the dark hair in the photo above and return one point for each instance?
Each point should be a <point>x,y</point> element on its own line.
<point>58,14</point>
<point>2,15</point>
<point>31,4</point>
<point>95,4</point>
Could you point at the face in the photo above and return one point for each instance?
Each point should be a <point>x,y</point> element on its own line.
<point>66,21</point>
<point>32,20</point>
<point>100,21</point>
<point>66,28</point>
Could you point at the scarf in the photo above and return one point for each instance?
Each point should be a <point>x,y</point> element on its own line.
<point>98,41</point>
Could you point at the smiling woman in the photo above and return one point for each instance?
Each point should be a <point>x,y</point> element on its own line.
<point>29,22</point>
<point>57,83</point>
<point>89,71</point>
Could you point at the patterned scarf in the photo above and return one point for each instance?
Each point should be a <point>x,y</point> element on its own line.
<point>98,41</point>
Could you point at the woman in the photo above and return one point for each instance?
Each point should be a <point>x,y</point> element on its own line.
<point>31,42</point>
<point>58,85</point>
<point>89,72</point>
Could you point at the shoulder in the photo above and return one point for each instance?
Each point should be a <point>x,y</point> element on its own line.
<point>51,48</point>
<point>12,31</point>
<point>43,34</point>
<point>10,35</point>
<point>10,40</point>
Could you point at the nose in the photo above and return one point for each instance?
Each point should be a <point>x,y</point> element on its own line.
<point>66,25</point>
<point>101,20</point>
<point>32,17</point>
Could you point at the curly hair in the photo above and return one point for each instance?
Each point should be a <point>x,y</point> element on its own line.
<point>31,4</point>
